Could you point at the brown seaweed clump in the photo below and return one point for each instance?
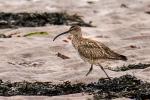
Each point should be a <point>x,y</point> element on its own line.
<point>131,66</point>
<point>38,88</point>
<point>125,86</point>
<point>24,19</point>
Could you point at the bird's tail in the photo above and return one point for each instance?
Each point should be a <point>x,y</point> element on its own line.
<point>122,57</point>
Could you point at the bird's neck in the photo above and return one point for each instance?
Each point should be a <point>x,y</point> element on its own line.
<point>76,40</point>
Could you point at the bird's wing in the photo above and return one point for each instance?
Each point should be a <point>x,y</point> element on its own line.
<point>95,50</point>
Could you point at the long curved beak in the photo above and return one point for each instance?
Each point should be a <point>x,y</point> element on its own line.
<point>61,34</point>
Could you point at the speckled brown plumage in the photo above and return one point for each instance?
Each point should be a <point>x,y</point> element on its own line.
<point>91,51</point>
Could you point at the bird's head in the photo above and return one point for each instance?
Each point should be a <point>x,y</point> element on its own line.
<point>74,30</point>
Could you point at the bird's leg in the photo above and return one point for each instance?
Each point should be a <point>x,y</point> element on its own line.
<point>90,70</point>
<point>104,71</point>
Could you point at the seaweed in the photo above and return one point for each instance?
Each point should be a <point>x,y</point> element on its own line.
<point>131,66</point>
<point>62,56</point>
<point>39,88</point>
<point>24,19</point>
<point>35,34</point>
<point>148,12</point>
<point>125,86</point>
<point>4,36</point>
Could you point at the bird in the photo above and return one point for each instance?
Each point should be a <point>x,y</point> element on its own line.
<point>91,51</point>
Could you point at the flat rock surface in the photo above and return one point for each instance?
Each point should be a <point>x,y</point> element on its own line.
<point>123,25</point>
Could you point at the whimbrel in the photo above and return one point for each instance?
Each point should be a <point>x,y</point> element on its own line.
<point>91,51</point>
